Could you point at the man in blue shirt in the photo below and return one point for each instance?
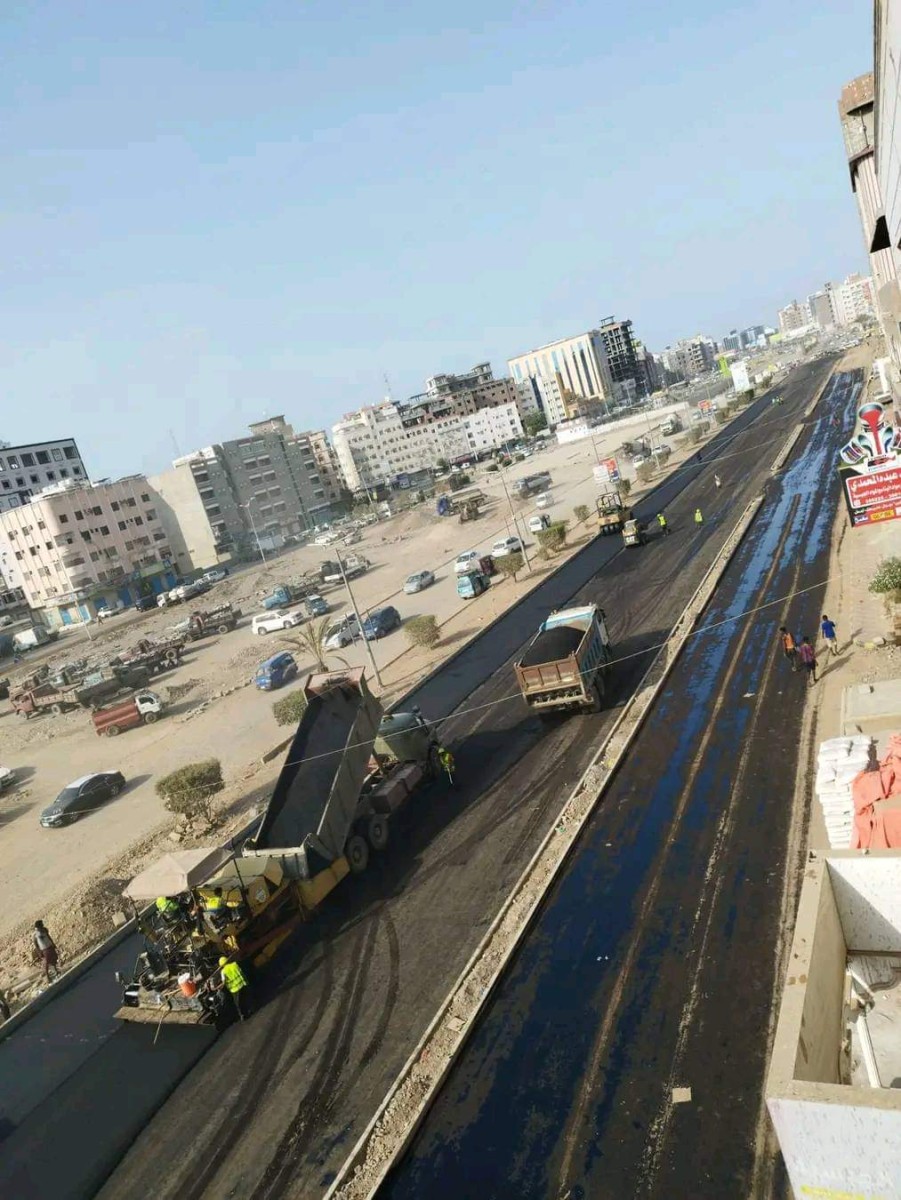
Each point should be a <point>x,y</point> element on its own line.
<point>827,628</point>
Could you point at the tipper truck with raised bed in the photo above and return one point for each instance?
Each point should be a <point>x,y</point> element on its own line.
<point>564,666</point>
<point>349,768</point>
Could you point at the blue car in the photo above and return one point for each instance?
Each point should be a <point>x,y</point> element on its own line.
<point>275,672</point>
<point>380,622</point>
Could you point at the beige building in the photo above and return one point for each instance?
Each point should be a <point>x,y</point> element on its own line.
<point>78,547</point>
<point>199,511</point>
<point>794,317</point>
<point>567,378</point>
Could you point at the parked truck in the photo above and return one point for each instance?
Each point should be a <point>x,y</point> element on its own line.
<point>566,663</point>
<point>348,770</point>
<point>43,698</point>
<point>205,622</point>
<point>354,565</point>
<point>107,684</point>
<point>29,639</point>
<point>141,709</point>
<point>530,485</point>
<point>611,512</point>
<point>284,594</point>
<point>156,657</point>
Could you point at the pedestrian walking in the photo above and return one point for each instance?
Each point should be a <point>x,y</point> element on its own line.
<point>717,482</point>
<point>789,647</point>
<point>45,951</point>
<point>661,521</point>
<point>827,628</point>
<point>447,762</point>
<point>235,982</point>
<point>808,658</point>
<point>699,517</point>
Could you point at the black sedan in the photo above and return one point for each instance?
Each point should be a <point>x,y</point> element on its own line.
<point>82,796</point>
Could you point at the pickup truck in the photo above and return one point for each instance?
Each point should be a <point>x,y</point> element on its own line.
<point>141,709</point>
<point>565,664</point>
<point>283,595</point>
<point>354,565</point>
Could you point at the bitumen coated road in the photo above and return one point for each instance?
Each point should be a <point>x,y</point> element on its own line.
<point>653,963</point>
<point>273,1106</point>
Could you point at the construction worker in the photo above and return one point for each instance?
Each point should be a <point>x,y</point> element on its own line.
<point>699,517</point>
<point>216,912</point>
<point>447,761</point>
<point>235,982</point>
<point>167,907</point>
<point>661,521</point>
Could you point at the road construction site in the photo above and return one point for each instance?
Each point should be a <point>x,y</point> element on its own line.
<point>343,1007</point>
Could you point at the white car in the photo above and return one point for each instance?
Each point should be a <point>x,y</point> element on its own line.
<point>538,522</point>
<point>104,613</point>
<point>342,633</point>
<point>467,561</point>
<point>507,545</point>
<point>274,621</point>
<point>543,500</point>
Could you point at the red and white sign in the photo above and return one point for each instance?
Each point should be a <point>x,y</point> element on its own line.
<point>874,497</point>
<point>606,471</point>
<point>871,468</point>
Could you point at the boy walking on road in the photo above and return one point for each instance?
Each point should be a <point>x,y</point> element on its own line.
<point>789,648</point>
<point>808,658</point>
<point>827,628</point>
<point>45,951</point>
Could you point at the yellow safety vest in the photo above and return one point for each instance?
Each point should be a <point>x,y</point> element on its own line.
<point>233,977</point>
<point>166,905</point>
<point>447,759</point>
<point>211,903</point>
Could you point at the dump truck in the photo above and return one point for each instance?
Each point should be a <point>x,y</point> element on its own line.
<point>530,485</point>
<point>611,513</point>
<point>106,684</point>
<point>566,663</point>
<point>156,657</point>
<point>205,622</point>
<point>348,770</point>
<point>43,698</point>
<point>141,709</point>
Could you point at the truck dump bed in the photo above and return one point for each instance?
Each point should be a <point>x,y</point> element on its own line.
<point>558,665</point>
<point>315,799</point>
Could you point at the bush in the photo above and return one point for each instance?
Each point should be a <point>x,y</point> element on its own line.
<point>624,487</point>
<point>694,435</point>
<point>580,512</point>
<point>460,480</point>
<point>719,415</point>
<point>289,709</point>
<point>644,472</point>
<point>534,423</point>
<point>189,790</point>
<point>552,538</point>
<point>887,580</point>
<point>492,467</point>
<point>422,631</point>
<point>509,564</point>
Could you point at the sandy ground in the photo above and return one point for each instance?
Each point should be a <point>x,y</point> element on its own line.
<point>71,876</point>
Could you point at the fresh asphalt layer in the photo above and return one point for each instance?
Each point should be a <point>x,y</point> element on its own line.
<point>652,964</point>
<point>273,1106</point>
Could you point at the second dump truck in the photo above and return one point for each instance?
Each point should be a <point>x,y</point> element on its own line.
<point>565,665</point>
<point>349,768</point>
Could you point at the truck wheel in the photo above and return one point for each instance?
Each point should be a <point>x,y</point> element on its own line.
<point>56,709</point>
<point>357,853</point>
<point>377,831</point>
<point>597,697</point>
<point>222,629</point>
<point>171,659</point>
<point>112,731</point>
<point>149,718</point>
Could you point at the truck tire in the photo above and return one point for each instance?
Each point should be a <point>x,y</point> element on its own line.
<point>222,628</point>
<point>597,696</point>
<point>150,717</point>
<point>377,831</point>
<point>112,731</point>
<point>357,854</point>
<point>172,658</point>
<point>56,709</point>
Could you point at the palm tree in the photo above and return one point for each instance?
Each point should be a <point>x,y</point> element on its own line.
<point>310,639</point>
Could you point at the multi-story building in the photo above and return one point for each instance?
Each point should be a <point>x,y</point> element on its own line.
<point>689,357</point>
<point>316,481</point>
<point>794,317</point>
<point>852,298</point>
<point>199,510</point>
<point>649,367</point>
<point>27,470</point>
<point>80,546</point>
<point>819,305</point>
<point>622,356</point>
<point>733,341</point>
<point>752,335</point>
<point>568,378</point>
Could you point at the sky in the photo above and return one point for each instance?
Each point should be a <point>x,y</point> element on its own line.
<point>217,212</point>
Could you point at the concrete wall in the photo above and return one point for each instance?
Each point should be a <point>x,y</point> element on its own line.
<point>820,1030</point>
<point>868,897</point>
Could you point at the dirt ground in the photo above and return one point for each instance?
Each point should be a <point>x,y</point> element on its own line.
<point>72,877</point>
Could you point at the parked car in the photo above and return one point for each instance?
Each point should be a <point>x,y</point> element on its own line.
<point>544,500</point>
<point>507,545</point>
<point>316,606</point>
<point>5,621</point>
<point>82,796</point>
<point>215,575</point>
<point>381,622</point>
<point>418,581</point>
<point>538,522</point>
<point>466,561</point>
<point>325,539</point>
<point>104,614</point>
<point>351,539</point>
<point>275,672</point>
<point>342,633</point>
<point>7,778</point>
<point>274,621</point>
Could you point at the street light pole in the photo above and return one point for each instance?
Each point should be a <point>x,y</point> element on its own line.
<point>525,552</point>
<point>254,528</point>
<point>356,612</point>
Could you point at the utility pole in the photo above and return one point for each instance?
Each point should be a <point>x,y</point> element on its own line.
<point>525,552</point>
<point>356,612</point>
<point>254,528</point>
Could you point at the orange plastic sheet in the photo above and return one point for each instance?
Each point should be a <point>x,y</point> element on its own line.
<point>877,802</point>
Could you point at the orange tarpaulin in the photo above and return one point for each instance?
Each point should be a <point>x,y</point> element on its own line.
<point>877,802</point>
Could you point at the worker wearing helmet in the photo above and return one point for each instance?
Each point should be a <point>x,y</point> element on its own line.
<point>235,982</point>
<point>447,762</point>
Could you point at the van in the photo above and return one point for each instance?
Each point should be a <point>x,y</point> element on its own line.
<point>275,672</point>
<point>538,522</point>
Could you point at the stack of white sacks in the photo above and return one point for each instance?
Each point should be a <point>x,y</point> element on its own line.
<point>839,761</point>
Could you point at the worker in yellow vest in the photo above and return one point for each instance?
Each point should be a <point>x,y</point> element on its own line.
<point>235,982</point>
<point>447,761</point>
<point>167,907</point>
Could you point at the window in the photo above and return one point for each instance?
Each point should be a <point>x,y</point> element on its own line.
<point>97,511</point>
<point>115,505</point>
<point>57,454</point>
<point>33,478</point>
<point>158,536</point>
<point>63,519</point>
<point>104,529</point>
<point>131,502</point>
<point>139,520</point>
<point>129,545</point>
<point>213,511</point>
<point>145,497</point>
<point>13,462</point>
<point>95,555</point>
<point>6,483</point>
<point>150,514</point>
<point>27,460</point>
<point>19,555</point>
<point>255,479</point>
<point>70,452</point>
<point>79,515</point>
<point>76,470</point>
<point>51,475</point>
<point>43,457</point>
<point>48,545</point>
<point>42,525</point>
<point>20,481</point>
<point>265,460</point>
<point>250,464</point>
<point>86,535</point>
<point>121,524</point>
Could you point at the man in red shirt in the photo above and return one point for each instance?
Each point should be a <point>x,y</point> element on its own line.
<point>808,658</point>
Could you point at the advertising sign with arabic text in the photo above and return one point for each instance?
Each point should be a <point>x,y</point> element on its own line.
<point>871,468</point>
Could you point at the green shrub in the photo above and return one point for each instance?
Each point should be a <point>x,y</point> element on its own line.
<point>644,472</point>
<point>694,435</point>
<point>189,790</point>
<point>554,537</point>
<point>719,415</point>
<point>509,564</point>
<point>624,487</point>
<point>580,512</point>
<point>887,580</point>
<point>460,480</point>
<point>423,631</point>
<point>492,467</point>
<point>289,709</point>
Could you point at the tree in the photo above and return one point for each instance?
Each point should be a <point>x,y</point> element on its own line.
<point>887,580</point>
<point>422,631</point>
<point>534,422</point>
<point>509,564</point>
<point>460,480</point>
<point>554,537</point>
<point>310,640</point>
<point>492,467</point>
<point>580,512</point>
<point>189,790</point>
<point>442,464</point>
<point>644,472</point>
<point>624,486</point>
<point>694,435</point>
<point>290,708</point>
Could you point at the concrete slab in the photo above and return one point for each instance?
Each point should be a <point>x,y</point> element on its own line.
<point>871,707</point>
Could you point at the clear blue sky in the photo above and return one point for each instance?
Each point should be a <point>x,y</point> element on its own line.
<point>215,212</point>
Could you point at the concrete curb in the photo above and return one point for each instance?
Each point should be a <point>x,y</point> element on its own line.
<point>427,1067</point>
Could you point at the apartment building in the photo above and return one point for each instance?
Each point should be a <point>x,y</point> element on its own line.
<point>199,511</point>
<point>27,470</point>
<point>567,378</point>
<point>80,546</point>
<point>794,317</point>
<point>820,307</point>
<point>689,357</point>
<point>852,298</point>
<point>620,346</point>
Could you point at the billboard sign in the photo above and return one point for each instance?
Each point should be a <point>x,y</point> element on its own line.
<point>606,471</point>
<point>870,470</point>
<point>740,381</point>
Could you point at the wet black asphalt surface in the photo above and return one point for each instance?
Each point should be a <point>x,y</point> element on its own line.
<point>652,963</point>
<point>273,1107</point>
